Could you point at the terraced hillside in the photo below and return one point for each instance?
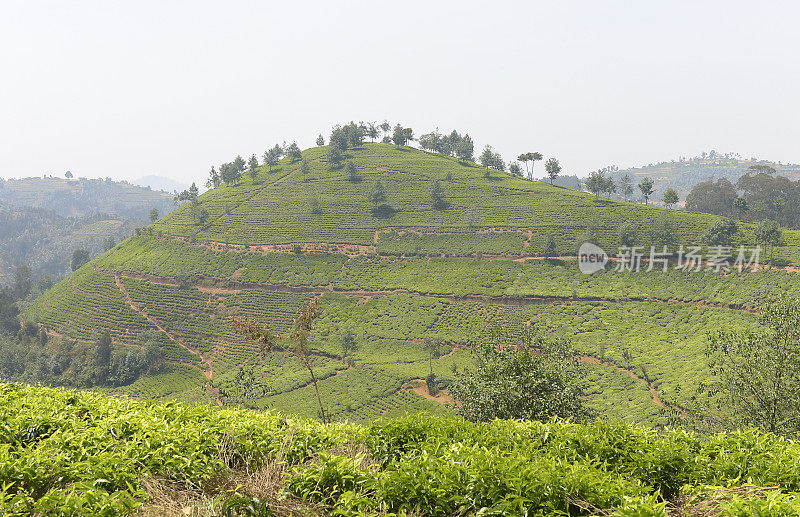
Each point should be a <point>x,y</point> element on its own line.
<point>397,272</point>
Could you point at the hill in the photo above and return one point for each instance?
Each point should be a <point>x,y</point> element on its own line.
<point>684,174</point>
<point>84,454</point>
<point>396,272</point>
<point>84,197</point>
<point>45,241</point>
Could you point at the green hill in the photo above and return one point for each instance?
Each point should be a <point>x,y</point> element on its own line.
<point>68,453</point>
<point>395,273</point>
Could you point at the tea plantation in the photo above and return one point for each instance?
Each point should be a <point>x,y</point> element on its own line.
<point>398,273</point>
<point>67,453</point>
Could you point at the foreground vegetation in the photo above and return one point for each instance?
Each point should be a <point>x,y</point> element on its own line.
<point>64,452</point>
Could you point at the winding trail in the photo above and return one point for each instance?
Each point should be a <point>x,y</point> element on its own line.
<point>209,373</point>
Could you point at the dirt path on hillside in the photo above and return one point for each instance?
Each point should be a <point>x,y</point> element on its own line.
<point>209,373</point>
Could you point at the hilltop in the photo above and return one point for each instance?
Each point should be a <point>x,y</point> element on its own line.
<point>395,270</point>
<point>83,197</point>
<point>683,174</point>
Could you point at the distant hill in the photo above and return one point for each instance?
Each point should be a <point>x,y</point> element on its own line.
<point>396,266</point>
<point>85,197</point>
<point>683,174</point>
<point>160,183</point>
<point>45,241</point>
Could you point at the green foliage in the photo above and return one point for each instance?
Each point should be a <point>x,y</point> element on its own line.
<point>520,374</point>
<point>721,233</point>
<point>757,371</point>
<point>83,453</point>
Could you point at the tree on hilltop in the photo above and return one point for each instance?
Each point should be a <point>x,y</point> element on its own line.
<point>273,156</point>
<point>293,152</point>
<point>334,155</point>
<point>320,141</point>
<point>553,169</point>
<point>464,150</point>
<point>626,188</point>
<point>670,197</point>
<point>239,165</point>
<point>646,187</point>
<point>595,183</point>
<point>214,180</point>
<point>253,167</point>
<point>372,132</point>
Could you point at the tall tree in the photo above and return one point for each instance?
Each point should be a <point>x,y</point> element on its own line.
<point>252,165</point>
<point>769,233</point>
<point>320,141</point>
<point>293,152</point>
<point>595,183</point>
<point>214,180</point>
<point>399,135</point>
<point>153,215</point>
<point>352,172</point>
<point>239,165</point>
<point>626,186</point>
<point>670,197</point>
<point>487,157</point>
<point>646,187</point>
<point>553,169</point>
<point>465,149</point>
<point>305,169</point>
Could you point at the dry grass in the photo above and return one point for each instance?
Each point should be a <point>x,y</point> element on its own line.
<point>710,502</point>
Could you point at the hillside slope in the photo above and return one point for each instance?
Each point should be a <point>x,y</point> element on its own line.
<point>395,273</point>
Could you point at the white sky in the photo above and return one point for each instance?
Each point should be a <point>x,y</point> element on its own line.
<point>106,88</point>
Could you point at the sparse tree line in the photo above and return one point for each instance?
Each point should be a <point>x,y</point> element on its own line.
<point>759,195</point>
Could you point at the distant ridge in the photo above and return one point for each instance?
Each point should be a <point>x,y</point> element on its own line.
<point>156,182</point>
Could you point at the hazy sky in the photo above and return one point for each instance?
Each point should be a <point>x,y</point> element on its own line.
<point>117,89</point>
